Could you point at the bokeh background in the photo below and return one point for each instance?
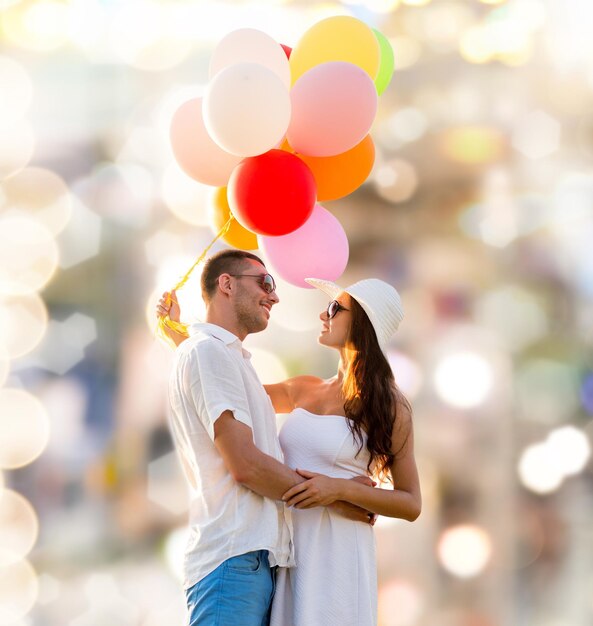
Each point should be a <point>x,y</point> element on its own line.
<point>479,210</point>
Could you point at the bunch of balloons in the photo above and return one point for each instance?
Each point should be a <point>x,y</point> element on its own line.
<point>279,130</point>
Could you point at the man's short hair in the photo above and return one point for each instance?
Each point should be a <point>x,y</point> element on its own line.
<point>223,262</point>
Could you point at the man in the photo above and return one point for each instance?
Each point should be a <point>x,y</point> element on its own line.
<point>224,429</point>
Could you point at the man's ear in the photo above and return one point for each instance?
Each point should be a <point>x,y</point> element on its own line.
<point>225,283</point>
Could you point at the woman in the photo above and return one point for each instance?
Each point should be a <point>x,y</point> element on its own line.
<point>356,423</point>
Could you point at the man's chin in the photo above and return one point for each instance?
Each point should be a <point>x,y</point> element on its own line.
<point>258,326</point>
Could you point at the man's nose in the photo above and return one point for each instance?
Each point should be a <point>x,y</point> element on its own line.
<point>274,297</point>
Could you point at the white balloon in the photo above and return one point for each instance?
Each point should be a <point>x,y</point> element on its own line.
<point>248,45</point>
<point>246,109</point>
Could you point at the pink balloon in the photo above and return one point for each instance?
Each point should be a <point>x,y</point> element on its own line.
<point>333,108</point>
<point>319,248</point>
<point>197,154</point>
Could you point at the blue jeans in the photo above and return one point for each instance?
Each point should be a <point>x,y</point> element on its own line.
<point>238,591</point>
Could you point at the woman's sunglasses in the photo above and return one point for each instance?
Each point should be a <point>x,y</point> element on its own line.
<point>333,307</point>
<point>266,282</point>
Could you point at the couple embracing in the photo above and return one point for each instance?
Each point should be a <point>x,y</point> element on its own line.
<point>281,526</point>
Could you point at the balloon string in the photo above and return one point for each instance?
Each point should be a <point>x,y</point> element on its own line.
<point>180,327</point>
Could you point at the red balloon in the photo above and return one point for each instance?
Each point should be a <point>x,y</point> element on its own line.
<point>272,194</point>
<point>287,50</point>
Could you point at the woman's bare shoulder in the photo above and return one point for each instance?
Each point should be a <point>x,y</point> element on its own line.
<point>304,382</point>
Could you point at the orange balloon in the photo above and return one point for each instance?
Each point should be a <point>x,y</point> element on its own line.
<point>337,176</point>
<point>237,236</point>
<point>286,147</point>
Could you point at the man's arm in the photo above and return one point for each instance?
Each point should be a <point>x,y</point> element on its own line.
<point>248,465</point>
<point>260,472</point>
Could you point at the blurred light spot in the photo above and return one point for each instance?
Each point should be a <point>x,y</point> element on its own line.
<point>4,364</point>
<point>17,144</point>
<point>400,603</point>
<point>166,486</point>
<point>587,394</point>
<point>40,25</point>
<point>87,24</point>
<point>547,391</point>
<point>66,402</point>
<point>572,215</point>
<point>65,342</point>
<point>570,448</point>
<point>474,45</point>
<point>107,606</point>
<point>81,239</point>
<point>379,6</point>
<point>416,3</point>
<point>533,14</point>
<point>157,362</point>
<point>160,245</point>
<point>268,366</point>
<point>148,147</point>
<point>513,313</point>
<point>167,613</point>
<point>473,145</point>
<point>23,322</point>
<point>464,550</point>
<point>24,428</point>
<point>505,34</point>
<point>185,197</point>
<point>406,51</point>
<point>17,90</point>
<point>123,193</point>
<point>39,192</point>
<point>18,591</point>
<point>538,469</point>
<point>175,549</point>
<point>537,135</point>
<point>501,218</point>
<point>19,527</point>
<point>143,35</point>
<point>441,25</point>
<point>463,380</point>
<point>407,373</point>
<point>207,22</point>
<point>396,181</point>
<point>28,255</point>
<point>49,589</point>
<point>408,124</point>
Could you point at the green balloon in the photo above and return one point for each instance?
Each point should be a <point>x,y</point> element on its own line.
<point>386,64</point>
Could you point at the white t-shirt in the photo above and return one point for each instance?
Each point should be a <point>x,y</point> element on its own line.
<point>212,373</point>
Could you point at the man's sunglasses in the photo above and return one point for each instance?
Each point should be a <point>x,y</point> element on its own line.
<point>266,281</point>
<point>333,307</point>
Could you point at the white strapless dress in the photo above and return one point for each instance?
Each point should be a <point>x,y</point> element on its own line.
<point>334,582</point>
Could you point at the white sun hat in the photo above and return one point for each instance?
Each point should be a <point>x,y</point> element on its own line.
<point>380,301</point>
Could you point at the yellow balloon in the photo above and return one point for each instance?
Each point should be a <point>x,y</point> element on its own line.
<point>237,236</point>
<point>339,38</point>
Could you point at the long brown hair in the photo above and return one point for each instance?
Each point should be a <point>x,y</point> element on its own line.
<point>372,398</point>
